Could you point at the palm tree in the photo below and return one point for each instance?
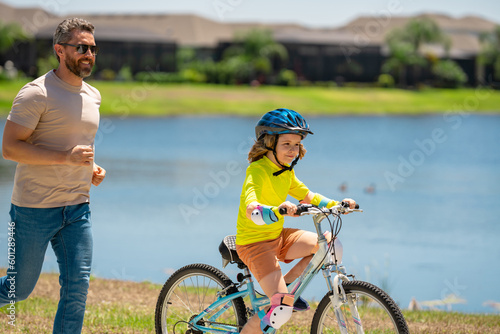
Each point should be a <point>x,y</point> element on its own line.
<point>404,46</point>
<point>253,54</point>
<point>403,55</point>
<point>423,30</point>
<point>490,53</point>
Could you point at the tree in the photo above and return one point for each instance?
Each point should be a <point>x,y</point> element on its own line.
<point>448,74</point>
<point>424,30</point>
<point>253,54</point>
<point>10,33</point>
<point>402,55</point>
<point>405,44</point>
<point>490,53</point>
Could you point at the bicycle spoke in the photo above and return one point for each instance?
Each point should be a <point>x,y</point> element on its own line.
<point>369,310</point>
<point>188,293</point>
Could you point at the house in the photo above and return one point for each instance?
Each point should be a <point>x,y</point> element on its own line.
<point>148,42</point>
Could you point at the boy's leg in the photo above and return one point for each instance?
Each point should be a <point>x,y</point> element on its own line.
<point>296,270</point>
<point>73,248</point>
<point>271,284</point>
<point>281,308</point>
<point>30,232</point>
<point>304,248</point>
<point>252,326</point>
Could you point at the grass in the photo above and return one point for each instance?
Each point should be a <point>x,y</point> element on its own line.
<point>128,307</point>
<point>124,99</point>
<point>112,307</point>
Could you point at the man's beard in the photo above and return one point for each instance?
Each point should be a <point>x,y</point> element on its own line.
<point>73,66</point>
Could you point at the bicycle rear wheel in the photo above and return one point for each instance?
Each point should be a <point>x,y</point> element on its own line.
<point>378,313</point>
<point>188,292</point>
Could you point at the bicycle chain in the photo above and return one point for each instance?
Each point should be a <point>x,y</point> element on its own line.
<point>221,323</point>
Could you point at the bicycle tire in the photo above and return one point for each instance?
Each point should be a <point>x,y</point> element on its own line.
<point>377,310</point>
<point>188,292</point>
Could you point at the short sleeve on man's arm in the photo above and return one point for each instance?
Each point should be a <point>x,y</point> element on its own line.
<point>28,106</point>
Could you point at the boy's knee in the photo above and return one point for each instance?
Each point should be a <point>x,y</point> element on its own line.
<point>279,313</point>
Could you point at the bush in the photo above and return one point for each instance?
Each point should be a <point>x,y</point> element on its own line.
<point>385,80</point>
<point>125,74</point>
<point>326,84</point>
<point>287,78</point>
<point>448,74</point>
<point>192,75</point>
<point>3,76</point>
<point>46,64</point>
<point>107,74</point>
<point>159,77</point>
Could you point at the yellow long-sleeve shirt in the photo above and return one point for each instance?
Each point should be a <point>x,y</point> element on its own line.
<point>263,187</point>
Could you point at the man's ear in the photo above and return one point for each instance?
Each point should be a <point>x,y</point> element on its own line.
<point>58,49</point>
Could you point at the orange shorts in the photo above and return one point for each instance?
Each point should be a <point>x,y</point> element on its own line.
<point>262,257</point>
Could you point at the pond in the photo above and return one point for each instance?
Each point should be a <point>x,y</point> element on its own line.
<point>429,187</point>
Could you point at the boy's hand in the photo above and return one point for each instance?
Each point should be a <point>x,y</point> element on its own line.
<point>290,208</point>
<point>352,203</point>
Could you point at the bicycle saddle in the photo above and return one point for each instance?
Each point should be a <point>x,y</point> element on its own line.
<point>227,249</point>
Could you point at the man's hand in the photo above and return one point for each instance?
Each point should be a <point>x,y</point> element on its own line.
<point>80,155</point>
<point>98,175</point>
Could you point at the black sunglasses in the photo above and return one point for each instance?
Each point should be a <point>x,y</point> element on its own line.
<point>83,48</point>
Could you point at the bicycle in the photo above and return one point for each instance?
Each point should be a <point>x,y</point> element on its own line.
<point>199,298</point>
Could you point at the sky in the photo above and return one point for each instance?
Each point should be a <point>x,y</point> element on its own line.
<point>312,13</point>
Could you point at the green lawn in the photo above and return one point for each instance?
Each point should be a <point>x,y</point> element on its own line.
<point>127,307</point>
<point>152,99</point>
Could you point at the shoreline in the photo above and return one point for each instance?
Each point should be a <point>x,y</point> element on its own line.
<point>142,99</point>
<point>48,287</point>
<point>124,307</point>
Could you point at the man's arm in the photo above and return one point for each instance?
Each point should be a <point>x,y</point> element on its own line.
<point>15,148</point>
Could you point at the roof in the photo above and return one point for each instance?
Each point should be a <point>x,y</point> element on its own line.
<point>463,32</point>
<point>196,31</point>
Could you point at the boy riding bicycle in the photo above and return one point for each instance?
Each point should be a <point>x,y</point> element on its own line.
<point>261,240</point>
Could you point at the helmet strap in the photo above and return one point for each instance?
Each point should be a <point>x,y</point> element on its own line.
<point>283,167</point>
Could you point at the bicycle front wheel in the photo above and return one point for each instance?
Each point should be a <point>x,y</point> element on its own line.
<point>188,292</point>
<point>378,313</point>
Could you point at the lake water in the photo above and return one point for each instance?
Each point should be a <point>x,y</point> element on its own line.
<point>429,229</point>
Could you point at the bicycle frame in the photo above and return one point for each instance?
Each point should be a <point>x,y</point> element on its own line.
<point>338,297</point>
<point>256,302</point>
<point>320,261</point>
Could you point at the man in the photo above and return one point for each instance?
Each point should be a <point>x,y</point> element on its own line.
<point>50,132</point>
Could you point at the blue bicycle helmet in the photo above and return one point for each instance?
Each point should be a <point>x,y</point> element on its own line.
<point>282,121</point>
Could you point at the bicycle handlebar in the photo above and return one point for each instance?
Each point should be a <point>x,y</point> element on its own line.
<point>342,207</point>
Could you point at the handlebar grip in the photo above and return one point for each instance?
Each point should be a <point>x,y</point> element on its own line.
<point>346,205</point>
<point>300,209</point>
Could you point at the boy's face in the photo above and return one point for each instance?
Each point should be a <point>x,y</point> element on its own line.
<point>287,148</point>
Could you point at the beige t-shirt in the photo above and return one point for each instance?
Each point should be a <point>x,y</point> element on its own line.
<point>62,116</point>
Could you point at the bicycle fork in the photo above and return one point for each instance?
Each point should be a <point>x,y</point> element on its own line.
<point>339,298</point>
